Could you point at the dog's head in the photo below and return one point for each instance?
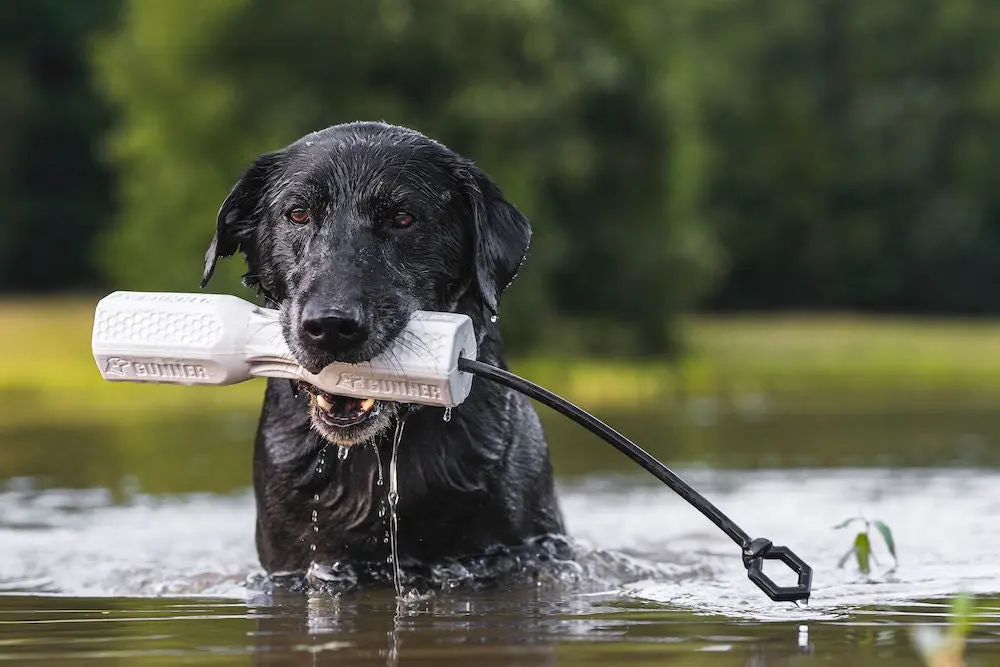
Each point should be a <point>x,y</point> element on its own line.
<point>351,229</point>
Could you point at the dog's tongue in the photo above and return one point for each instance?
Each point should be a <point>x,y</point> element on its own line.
<point>343,407</point>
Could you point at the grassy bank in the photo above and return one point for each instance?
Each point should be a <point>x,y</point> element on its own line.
<point>782,362</point>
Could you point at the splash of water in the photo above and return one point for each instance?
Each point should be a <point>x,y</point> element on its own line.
<point>393,497</point>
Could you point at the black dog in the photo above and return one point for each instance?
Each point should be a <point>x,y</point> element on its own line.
<point>350,230</point>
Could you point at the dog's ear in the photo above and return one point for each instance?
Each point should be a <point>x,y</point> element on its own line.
<point>236,222</point>
<point>501,235</point>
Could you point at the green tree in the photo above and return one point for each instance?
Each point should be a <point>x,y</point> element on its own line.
<point>55,194</point>
<point>855,146</point>
<point>554,99</point>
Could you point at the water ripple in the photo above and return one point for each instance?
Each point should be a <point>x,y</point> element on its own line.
<point>637,540</point>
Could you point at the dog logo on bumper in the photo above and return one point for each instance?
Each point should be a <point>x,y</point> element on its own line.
<point>116,366</point>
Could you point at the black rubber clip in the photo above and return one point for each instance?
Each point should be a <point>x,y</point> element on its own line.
<point>761,549</point>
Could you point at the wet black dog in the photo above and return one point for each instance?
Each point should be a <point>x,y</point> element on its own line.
<point>350,230</point>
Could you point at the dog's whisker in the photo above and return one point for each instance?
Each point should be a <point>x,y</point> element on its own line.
<point>410,339</point>
<point>415,352</point>
<point>390,356</point>
<point>401,370</point>
<point>409,344</point>
<point>262,327</point>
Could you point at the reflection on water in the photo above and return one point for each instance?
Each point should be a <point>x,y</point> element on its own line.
<point>211,453</point>
<point>509,627</point>
<point>100,526</point>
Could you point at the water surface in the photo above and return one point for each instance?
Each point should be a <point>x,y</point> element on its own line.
<point>125,543</point>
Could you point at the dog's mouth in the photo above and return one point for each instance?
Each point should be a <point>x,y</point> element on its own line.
<point>340,411</point>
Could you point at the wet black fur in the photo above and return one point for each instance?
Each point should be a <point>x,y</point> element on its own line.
<point>481,479</point>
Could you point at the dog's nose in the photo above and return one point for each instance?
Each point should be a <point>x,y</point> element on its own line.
<point>333,328</point>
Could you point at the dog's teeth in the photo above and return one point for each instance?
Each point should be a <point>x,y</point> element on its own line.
<point>367,404</point>
<point>323,403</point>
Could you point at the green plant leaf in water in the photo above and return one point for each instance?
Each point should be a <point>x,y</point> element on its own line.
<point>863,552</point>
<point>847,522</point>
<point>887,536</point>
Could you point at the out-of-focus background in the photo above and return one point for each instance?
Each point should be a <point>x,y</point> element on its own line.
<point>741,207</point>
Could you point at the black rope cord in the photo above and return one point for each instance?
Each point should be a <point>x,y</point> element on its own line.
<point>754,551</point>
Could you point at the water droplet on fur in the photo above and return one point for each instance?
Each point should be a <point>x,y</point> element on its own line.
<point>316,497</point>
<point>447,414</point>
<point>342,452</point>
<point>315,529</point>
<point>319,470</point>
<point>315,515</point>
<point>493,319</point>
<point>312,547</point>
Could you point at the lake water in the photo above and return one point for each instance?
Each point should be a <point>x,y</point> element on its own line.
<point>128,544</point>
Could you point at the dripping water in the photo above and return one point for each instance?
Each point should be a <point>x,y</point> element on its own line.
<point>493,319</point>
<point>447,414</point>
<point>380,481</point>
<point>393,500</point>
<point>342,452</point>
<point>321,461</point>
<point>314,516</point>
<point>378,461</point>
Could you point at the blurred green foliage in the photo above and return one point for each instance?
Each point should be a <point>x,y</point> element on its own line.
<point>858,143</point>
<point>558,101</point>
<point>721,154</point>
<point>55,194</point>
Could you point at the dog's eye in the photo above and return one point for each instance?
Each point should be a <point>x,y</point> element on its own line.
<point>402,219</point>
<point>298,215</point>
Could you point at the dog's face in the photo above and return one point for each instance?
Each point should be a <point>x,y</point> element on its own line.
<point>353,228</point>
